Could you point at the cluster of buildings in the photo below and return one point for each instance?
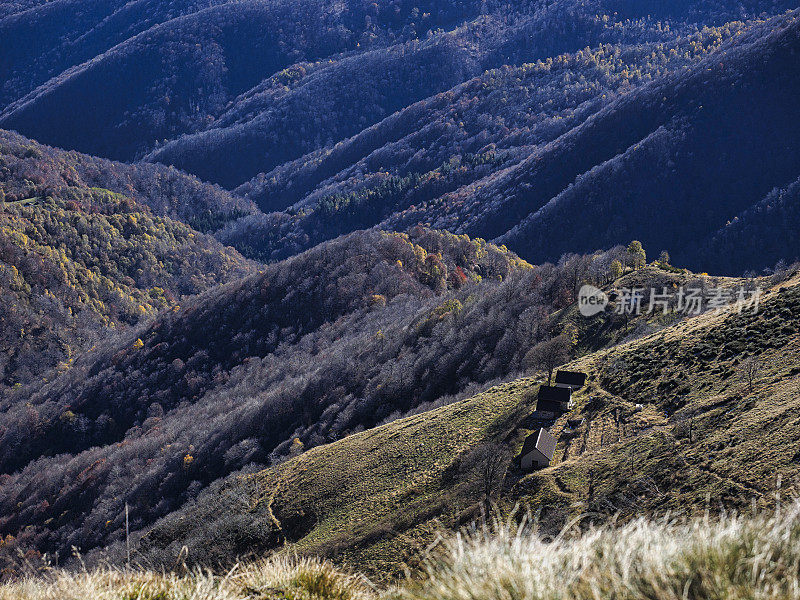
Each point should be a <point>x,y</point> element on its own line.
<point>552,402</point>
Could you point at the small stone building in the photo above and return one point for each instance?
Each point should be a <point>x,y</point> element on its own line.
<point>573,380</point>
<point>538,450</point>
<point>553,400</point>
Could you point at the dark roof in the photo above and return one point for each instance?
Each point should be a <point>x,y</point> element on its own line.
<point>554,394</point>
<point>530,443</point>
<point>572,378</point>
<point>551,406</point>
<point>542,441</point>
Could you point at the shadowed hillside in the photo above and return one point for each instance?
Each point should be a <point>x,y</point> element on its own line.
<point>151,71</point>
<point>505,122</point>
<point>549,161</point>
<point>666,421</point>
<point>361,90</point>
<point>768,225</point>
<point>344,337</point>
<point>694,141</point>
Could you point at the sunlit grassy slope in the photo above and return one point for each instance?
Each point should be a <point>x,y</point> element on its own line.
<point>669,425</point>
<point>370,497</point>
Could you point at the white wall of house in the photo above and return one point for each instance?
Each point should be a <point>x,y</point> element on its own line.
<point>534,458</point>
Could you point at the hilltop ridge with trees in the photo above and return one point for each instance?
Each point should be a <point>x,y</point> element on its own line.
<point>499,121</point>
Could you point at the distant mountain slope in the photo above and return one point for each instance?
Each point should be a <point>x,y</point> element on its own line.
<point>151,71</point>
<point>325,103</point>
<point>192,60</point>
<point>72,32</point>
<point>671,159</point>
<point>685,151</point>
<point>407,168</point>
<point>29,169</point>
<point>348,95</point>
<point>78,260</point>
<point>769,226</point>
<point>610,144</point>
<point>12,7</point>
<point>499,121</point>
<point>45,38</point>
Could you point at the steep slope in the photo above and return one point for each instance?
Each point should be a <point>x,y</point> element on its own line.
<point>68,33</point>
<point>666,422</point>
<point>78,260</point>
<point>326,102</point>
<point>582,152</point>
<point>29,169</point>
<point>768,225</point>
<point>338,116</point>
<point>688,142</point>
<point>509,108</point>
<point>17,6</point>
<point>43,39</point>
<point>344,97</point>
<point>75,264</point>
<point>401,170</point>
<point>192,61</point>
<point>332,341</point>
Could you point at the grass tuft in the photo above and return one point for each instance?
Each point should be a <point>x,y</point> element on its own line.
<point>275,579</point>
<point>735,558</point>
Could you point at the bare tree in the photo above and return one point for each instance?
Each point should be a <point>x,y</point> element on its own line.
<point>750,370</point>
<point>485,468</point>
<point>549,354</point>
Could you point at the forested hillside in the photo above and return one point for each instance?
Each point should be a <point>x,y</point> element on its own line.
<point>667,424</point>
<point>29,170</point>
<point>270,282</point>
<point>351,334</point>
<point>190,59</point>
<point>689,149</point>
<point>77,260</point>
<point>498,120</point>
<point>325,103</point>
<point>768,226</point>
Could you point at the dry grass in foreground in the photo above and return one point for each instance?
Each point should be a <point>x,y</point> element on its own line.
<point>734,558</point>
<point>730,559</point>
<point>284,579</point>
